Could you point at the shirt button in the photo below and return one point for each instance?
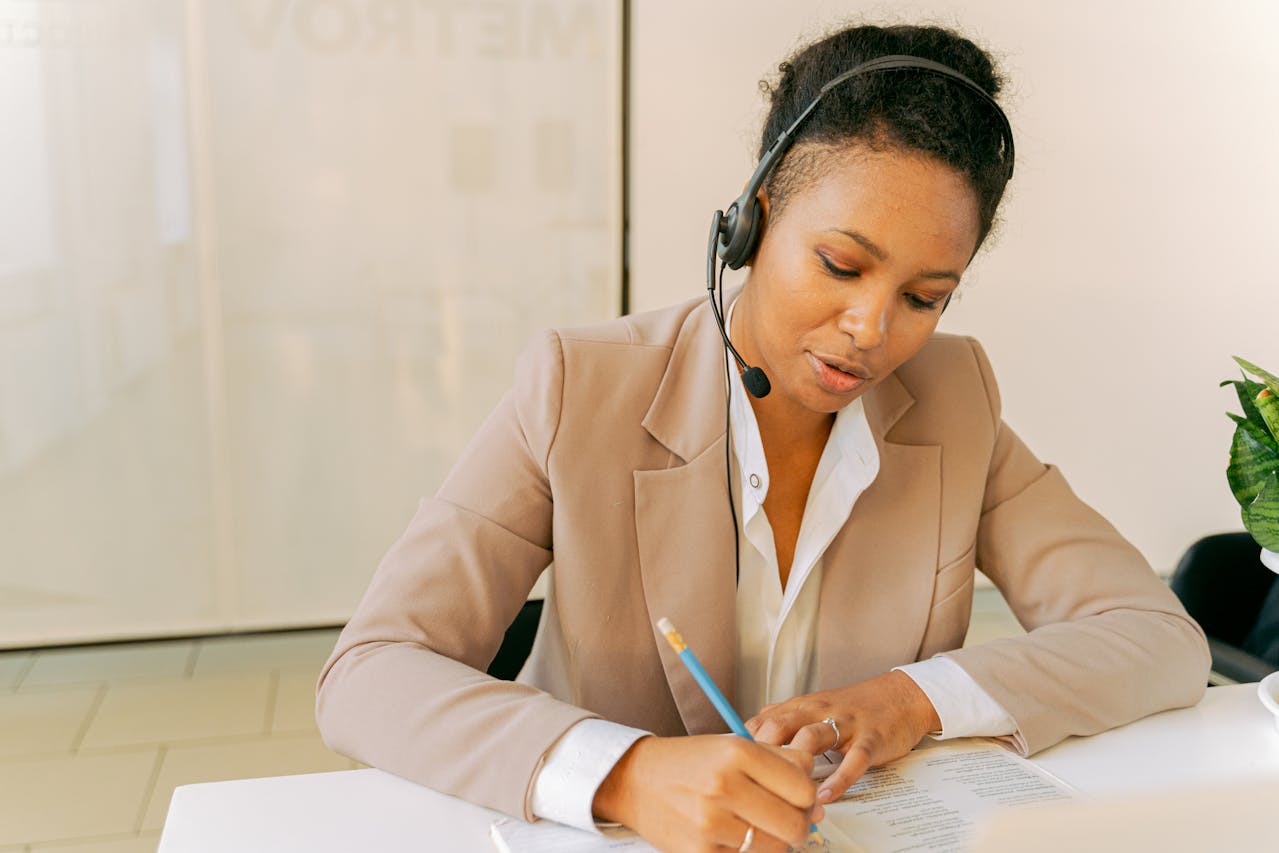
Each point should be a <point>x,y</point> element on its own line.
<point>754,481</point>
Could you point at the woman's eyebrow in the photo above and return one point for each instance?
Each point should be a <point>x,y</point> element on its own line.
<point>881,256</point>
<point>940,274</point>
<point>863,241</point>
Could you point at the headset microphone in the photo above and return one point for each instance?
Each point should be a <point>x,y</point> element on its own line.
<point>756,382</point>
<point>752,377</point>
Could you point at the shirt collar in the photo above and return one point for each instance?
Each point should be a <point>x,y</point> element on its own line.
<point>854,465</point>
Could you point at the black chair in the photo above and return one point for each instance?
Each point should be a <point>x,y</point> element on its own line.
<point>1224,586</point>
<point>517,643</point>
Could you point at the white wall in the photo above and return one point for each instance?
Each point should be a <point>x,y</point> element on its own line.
<point>264,267</point>
<point>1138,246</point>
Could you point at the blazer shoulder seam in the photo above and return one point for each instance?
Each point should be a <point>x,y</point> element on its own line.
<point>601,342</point>
<point>559,404</point>
<point>990,405</point>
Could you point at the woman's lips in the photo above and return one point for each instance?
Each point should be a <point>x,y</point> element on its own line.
<point>832,379</point>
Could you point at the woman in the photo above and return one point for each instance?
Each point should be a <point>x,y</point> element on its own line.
<point>871,482</point>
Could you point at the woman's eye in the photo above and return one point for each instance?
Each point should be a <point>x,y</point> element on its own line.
<point>923,304</point>
<point>837,271</point>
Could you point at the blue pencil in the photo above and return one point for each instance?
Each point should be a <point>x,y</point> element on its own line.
<point>704,680</point>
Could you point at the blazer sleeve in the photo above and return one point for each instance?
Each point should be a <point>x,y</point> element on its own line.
<point>1108,641</point>
<point>405,689</point>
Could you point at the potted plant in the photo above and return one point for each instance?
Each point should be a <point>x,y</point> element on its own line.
<point>1253,472</point>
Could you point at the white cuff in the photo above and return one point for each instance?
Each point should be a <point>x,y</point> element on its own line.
<point>577,764</point>
<point>965,709</point>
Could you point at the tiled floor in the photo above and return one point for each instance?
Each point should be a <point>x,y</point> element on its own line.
<point>94,740</point>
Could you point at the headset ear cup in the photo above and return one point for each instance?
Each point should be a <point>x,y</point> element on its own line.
<point>727,229</point>
<point>752,237</point>
<point>745,233</point>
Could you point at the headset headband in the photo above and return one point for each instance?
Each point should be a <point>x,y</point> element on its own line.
<point>740,225</point>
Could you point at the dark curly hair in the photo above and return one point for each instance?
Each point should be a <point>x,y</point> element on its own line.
<point>887,110</point>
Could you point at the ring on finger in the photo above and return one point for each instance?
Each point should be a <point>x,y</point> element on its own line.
<point>830,721</point>
<point>748,840</point>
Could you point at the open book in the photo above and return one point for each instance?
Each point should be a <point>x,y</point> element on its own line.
<point>930,800</point>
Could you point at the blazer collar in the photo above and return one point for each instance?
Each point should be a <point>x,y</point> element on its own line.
<point>687,413</point>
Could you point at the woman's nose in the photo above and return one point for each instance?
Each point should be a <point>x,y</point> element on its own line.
<point>865,317</point>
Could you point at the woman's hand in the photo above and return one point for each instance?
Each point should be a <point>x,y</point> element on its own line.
<point>702,793</point>
<point>879,720</point>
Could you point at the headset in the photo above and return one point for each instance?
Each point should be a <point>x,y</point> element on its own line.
<point>735,234</point>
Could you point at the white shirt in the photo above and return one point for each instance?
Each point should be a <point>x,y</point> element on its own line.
<point>776,627</point>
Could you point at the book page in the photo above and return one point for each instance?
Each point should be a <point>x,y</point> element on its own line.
<point>932,799</point>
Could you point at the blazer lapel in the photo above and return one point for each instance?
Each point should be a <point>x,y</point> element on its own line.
<point>683,528</point>
<point>879,571</point>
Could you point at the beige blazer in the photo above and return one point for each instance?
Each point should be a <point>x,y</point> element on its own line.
<point>607,456</point>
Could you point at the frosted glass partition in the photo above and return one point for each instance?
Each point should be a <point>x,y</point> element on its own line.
<point>264,267</point>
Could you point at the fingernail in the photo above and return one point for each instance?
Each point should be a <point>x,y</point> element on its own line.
<point>825,795</point>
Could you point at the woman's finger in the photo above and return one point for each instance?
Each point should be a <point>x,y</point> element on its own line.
<point>782,725</point>
<point>856,761</point>
<point>777,823</point>
<point>783,771</point>
<point>728,832</point>
<point>776,730</point>
<point>815,738</point>
<point>774,712</point>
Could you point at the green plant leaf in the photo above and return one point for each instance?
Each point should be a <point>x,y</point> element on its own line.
<point>1269,379</point>
<point>1247,391</point>
<point>1267,403</point>
<point>1252,460</point>
<point>1256,426</point>
<point>1261,516</point>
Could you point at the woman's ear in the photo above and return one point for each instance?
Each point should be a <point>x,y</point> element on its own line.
<point>761,226</point>
<point>762,195</point>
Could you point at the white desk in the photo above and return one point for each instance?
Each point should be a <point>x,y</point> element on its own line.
<point>1227,737</point>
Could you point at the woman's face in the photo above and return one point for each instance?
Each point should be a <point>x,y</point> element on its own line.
<point>849,280</point>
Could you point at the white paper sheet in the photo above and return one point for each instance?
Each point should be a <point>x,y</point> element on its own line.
<point>932,799</point>
<point>516,836</point>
